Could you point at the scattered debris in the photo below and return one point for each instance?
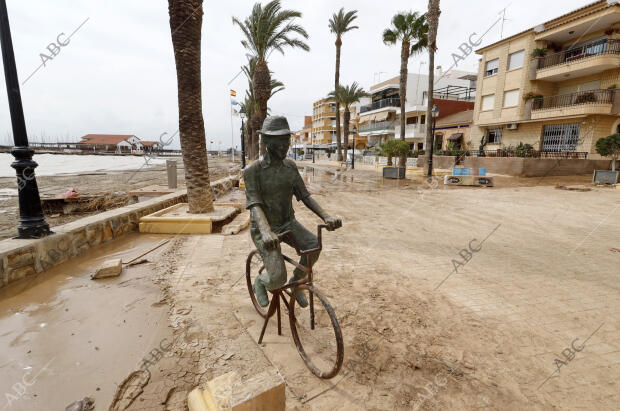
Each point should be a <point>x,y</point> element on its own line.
<point>615,249</point>
<point>70,193</point>
<point>130,262</point>
<point>85,404</point>
<point>109,268</point>
<point>573,188</point>
<point>142,261</point>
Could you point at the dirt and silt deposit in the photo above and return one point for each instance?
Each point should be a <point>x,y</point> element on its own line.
<point>485,339</point>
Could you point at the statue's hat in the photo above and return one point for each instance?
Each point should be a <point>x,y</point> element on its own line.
<point>275,126</point>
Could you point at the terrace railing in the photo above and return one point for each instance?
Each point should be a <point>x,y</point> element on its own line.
<point>375,105</point>
<point>604,46</point>
<point>527,153</point>
<point>380,125</point>
<point>582,97</point>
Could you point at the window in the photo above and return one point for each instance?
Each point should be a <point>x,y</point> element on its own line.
<point>488,102</point>
<point>560,137</point>
<point>422,119</point>
<point>515,60</point>
<point>412,120</point>
<point>491,67</point>
<point>494,136</point>
<point>511,98</point>
<point>438,141</point>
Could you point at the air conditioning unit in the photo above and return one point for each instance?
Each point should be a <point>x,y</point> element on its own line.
<point>512,126</point>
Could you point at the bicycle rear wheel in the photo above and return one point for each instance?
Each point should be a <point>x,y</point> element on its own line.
<point>253,267</point>
<point>321,346</point>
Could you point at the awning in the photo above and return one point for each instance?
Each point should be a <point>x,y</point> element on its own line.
<point>455,137</point>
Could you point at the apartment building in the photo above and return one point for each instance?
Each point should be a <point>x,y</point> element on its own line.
<point>554,86</point>
<point>379,115</point>
<point>323,122</point>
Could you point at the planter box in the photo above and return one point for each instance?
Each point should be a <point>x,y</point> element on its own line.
<point>606,176</point>
<point>394,172</point>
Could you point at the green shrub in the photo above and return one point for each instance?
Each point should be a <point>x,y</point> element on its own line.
<point>394,148</point>
<point>609,147</point>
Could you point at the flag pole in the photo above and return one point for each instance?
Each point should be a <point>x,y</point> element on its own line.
<point>232,145</point>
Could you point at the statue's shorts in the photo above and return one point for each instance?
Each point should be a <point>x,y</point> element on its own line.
<point>274,275</point>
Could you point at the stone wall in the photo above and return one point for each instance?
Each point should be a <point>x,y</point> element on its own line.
<point>25,258</point>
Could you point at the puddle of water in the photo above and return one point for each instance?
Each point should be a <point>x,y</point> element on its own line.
<point>65,336</point>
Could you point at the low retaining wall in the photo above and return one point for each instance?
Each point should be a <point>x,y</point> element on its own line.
<point>444,162</point>
<point>26,258</point>
<point>537,167</point>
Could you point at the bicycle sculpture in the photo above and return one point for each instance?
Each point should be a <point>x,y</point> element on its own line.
<point>270,184</point>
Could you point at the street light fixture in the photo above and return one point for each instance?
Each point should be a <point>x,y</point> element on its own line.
<point>435,114</point>
<point>242,115</point>
<point>353,132</point>
<point>32,222</point>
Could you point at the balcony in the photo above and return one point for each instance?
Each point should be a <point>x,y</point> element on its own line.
<point>386,102</point>
<point>583,102</point>
<point>380,127</point>
<point>411,130</point>
<point>590,58</point>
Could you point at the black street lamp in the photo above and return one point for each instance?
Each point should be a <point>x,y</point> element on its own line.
<point>435,114</point>
<point>242,115</point>
<point>313,136</point>
<point>353,132</point>
<point>31,220</point>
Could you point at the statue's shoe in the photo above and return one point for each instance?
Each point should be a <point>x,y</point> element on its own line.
<point>301,296</point>
<point>261,293</point>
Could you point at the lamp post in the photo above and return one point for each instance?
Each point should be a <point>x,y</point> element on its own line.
<point>242,115</point>
<point>32,223</point>
<point>435,114</point>
<point>313,136</point>
<point>353,132</point>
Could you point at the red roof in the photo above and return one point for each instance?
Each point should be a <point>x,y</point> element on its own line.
<point>105,138</point>
<point>148,143</point>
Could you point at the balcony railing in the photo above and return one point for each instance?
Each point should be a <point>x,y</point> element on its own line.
<point>411,130</point>
<point>386,102</point>
<point>582,97</point>
<point>605,46</point>
<point>380,125</point>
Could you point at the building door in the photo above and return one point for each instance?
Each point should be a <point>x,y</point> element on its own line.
<point>560,137</point>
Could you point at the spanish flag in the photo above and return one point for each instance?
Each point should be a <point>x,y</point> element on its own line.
<point>233,93</point>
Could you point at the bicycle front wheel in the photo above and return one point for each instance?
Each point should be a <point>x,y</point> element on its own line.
<point>253,267</point>
<point>318,342</point>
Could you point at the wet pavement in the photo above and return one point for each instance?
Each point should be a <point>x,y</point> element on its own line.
<point>65,336</point>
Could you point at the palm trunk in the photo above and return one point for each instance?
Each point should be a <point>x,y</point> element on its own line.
<point>262,89</point>
<point>347,118</point>
<point>336,84</point>
<point>256,125</point>
<point>186,27</point>
<point>433,21</point>
<point>404,56</point>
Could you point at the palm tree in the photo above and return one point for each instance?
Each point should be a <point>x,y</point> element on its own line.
<point>251,104</point>
<point>432,17</point>
<point>347,95</point>
<point>186,26</point>
<point>267,29</point>
<point>412,31</point>
<point>339,24</point>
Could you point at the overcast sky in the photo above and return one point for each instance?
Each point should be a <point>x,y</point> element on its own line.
<point>117,74</point>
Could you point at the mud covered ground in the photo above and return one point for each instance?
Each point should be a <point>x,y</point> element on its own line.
<point>448,298</point>
<point>116,184</point>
